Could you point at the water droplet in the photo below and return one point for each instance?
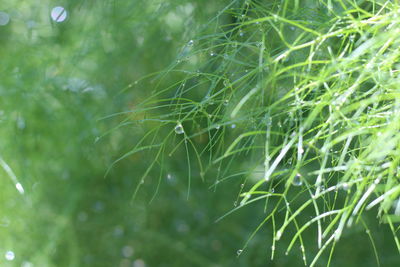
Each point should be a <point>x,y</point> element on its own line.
<point>98,206</point>
<point>267,120</point>
<point>169,176</point>
<point>27,264</point>
<point>226,102</point>
<point>118,231</point>
<point>241,34</point>
<point>297,180</point>
<point>9,255</point>
<point>139,263</point>
<point>239,251</point>
<point>20,188</point>
<point>127,251</point>
<point>58,14</point>
<point>242,185</point>
<point>190,43</point>
<point>21,123</point>
<point>233,126</point>
<point>345,186</point>
<point>217,126</point>
<point>179,129</point>
<point>4,18</point>
<point>212,54</point>
<point>278,235</point>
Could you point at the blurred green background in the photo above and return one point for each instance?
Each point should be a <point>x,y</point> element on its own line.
<point>60,75</point>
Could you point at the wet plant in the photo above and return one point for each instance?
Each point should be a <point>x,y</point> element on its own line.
<point>295,101</point>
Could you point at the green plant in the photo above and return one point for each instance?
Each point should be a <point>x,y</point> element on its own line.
<point>295,101</point>
<point>287,111</point>
<point>57,80</point>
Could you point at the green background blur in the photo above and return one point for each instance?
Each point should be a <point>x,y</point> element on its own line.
<point>57,81</point>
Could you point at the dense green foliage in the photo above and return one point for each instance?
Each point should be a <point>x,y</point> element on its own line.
<point>144,133</point>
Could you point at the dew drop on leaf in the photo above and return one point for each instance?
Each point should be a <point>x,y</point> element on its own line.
<point>20,188</point>
<point>297,180</point>
<point>58,14</point>
<point>4,18</point>
<point>345,186</point>
<point>179,129</point>
<point>9,255</point>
